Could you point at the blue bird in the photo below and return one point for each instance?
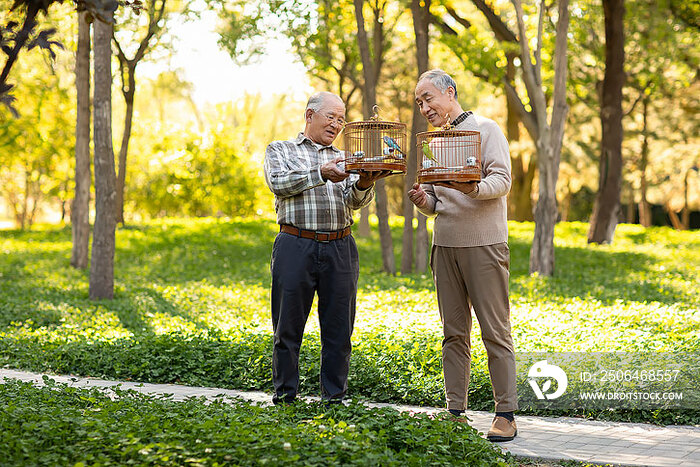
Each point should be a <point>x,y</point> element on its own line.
<point>389,141</point>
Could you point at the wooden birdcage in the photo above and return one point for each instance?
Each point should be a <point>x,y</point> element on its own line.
<point>374,145</point>
<point>449,155</point>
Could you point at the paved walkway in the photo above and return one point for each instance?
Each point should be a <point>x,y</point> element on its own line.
<point>560,438</point>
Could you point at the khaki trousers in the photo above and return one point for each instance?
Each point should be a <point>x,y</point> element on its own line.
<point>466,278</point>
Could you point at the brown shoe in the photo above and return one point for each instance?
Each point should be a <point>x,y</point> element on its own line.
<point>502,430</point>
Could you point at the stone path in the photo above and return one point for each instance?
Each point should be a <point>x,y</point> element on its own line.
<point>560,438</point>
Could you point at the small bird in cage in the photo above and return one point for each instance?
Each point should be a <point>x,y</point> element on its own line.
<point>393,146</point>
<point>358,154</point>
<point>470,161</point>
<point>428,152</point>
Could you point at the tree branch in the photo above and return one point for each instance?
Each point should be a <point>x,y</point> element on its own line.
<point>535,93</point>
<point>526,117</point>
<point>446,29</point>
<point>538,50</point>
<point>499,28</point>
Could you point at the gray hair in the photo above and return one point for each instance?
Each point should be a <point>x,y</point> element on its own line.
<point>440,80</point>
<point>317,100</point>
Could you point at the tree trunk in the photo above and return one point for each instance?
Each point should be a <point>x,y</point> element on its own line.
<point>675,221</point>
<point>126,135</point>
<point>128,67</point>
<point>370,72</point>
<point>385,239</point>
<point>421,21</point>
<point>520,196</point>
<point>80,209</point>
<point>607,203</point>
<point>363,229</point>
<point>422,244</point>
<point>542,252</point>
<point>644,208</point>
<point>685,213</point>
<point>549,135</point>
<point>102,261</point>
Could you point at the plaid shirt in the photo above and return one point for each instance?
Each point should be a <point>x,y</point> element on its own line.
<point>302,198</point>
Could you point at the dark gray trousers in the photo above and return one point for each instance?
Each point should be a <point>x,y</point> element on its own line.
<point>301,268</point>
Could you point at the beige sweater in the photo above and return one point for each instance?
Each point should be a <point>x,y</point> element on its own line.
<point>479,218</point>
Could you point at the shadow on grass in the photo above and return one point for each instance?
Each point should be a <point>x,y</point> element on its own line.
<point>43,307</point>
<point>594,274</point>
<point>238,252</point>
<point>220,253</point>
<point>588,273</point>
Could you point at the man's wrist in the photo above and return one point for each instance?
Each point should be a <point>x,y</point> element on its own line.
<point>359,187</point>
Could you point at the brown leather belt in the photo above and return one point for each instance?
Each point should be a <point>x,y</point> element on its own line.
<point>318,235</point>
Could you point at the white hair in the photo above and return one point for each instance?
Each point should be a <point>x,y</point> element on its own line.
<point>440,80</point>
<point>317,100</point>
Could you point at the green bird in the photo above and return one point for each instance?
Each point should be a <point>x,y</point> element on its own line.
<point>428,152</point>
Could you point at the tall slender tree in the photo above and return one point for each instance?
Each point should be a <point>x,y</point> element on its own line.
<point>155,9</point>
<point>483,59</point>
<point>103,239</point>
<point>80,209</point>
<point>420,11</point>
<point>371,70</point>
<point>548,134</point>
<point>607,203</point>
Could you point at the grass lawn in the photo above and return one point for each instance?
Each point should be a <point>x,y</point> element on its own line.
<point>61,425</point>
<point>191,306</point>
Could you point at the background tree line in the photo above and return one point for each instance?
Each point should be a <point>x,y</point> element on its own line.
<point>582,64</point>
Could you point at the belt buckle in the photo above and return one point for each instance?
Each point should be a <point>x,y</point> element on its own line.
<point>328,235</point>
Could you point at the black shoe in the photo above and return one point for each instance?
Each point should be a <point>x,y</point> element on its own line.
<point>456,412</point>
<point>332,402</point>
<point>283,400</point>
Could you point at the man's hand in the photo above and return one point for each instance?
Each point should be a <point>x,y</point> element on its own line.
<point>418,196</point>
<point>368,178</point>
<point>464,187</point>
<point>331,171</point>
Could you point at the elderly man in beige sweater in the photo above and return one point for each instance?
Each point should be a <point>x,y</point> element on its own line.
<point>470,258</point>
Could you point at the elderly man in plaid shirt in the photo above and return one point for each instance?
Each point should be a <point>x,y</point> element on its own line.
<point>314,251</point>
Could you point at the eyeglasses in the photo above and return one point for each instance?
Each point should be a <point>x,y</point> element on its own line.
<point>331,119</point>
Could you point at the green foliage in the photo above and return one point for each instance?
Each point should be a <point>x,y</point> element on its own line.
<point>36,146</point>
<point>660,58</point>
<point>197,175</point>
<point>192,306</point>
<point>62,425</point>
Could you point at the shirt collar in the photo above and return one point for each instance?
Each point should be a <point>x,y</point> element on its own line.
<point>302,137</point>
<point>462,117</point>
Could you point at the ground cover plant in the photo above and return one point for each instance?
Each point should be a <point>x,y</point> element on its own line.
<point>62,425</point>
<point>191,306</point>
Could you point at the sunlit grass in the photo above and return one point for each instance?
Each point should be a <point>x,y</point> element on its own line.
<point>204,284</point>
<point>188,275</point>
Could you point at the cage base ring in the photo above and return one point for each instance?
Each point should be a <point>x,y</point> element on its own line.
<point>356,167</point>
<point>448,177</point>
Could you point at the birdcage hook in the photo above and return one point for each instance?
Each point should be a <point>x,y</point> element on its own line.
<point>448,123</point>
<point>375,109</point>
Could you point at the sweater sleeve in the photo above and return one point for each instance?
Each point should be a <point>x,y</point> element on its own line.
<point>429,210</point>
<point>495,158</point>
